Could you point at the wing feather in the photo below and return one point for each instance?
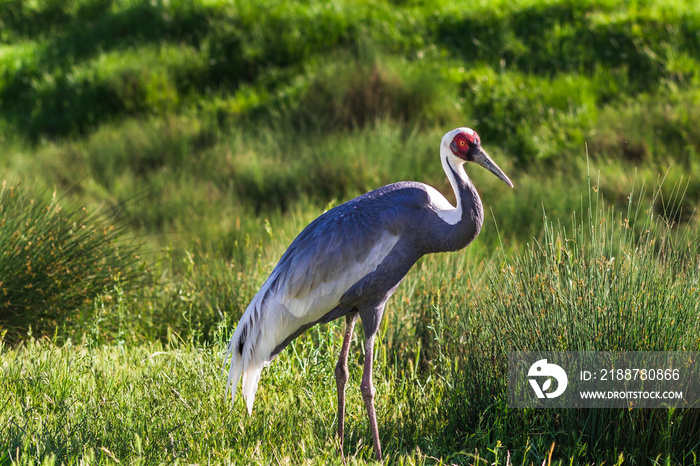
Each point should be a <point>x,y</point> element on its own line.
<point>338,249</point>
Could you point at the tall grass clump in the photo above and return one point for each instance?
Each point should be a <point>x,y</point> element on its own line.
<point>608,281</point>
<point>55,260</point>
<point>613,282</point>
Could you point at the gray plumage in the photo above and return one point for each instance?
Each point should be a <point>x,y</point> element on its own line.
<point>350,260</point>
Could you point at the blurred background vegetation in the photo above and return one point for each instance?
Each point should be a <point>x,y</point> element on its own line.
<point>158,157</point>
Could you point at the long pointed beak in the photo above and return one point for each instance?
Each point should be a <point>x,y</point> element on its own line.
<point>483,159</point>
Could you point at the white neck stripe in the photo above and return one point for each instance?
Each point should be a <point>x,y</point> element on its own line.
<point>446,211</point>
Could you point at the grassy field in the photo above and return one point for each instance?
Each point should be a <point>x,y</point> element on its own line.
<point>159,156</point>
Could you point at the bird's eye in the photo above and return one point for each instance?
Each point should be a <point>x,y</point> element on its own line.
<point>462,143</point>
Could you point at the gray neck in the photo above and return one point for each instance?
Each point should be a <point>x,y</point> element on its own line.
<point>469,225</point>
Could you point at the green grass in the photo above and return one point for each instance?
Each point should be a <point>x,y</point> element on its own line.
<point>440,374</point>
<point>217,130</point>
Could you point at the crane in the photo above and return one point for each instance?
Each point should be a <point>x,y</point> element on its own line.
<point>349,261</point>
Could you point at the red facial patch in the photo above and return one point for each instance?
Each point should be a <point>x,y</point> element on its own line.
<point>462,142</point>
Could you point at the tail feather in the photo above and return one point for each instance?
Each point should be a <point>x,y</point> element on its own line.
<point>248,350</point>
<point>234,371</point>
<point>251,377</point>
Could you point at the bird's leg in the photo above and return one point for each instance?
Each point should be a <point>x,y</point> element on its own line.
<point>367,389</point>
<point>341,374</point>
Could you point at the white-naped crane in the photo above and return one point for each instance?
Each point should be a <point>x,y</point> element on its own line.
<point>349,261</point>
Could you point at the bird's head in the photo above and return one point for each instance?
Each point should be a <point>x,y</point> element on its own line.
<point>464,145</point>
